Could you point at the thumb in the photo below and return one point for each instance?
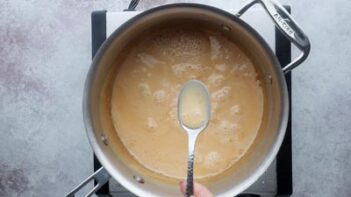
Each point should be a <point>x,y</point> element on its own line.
<point>199,190</point>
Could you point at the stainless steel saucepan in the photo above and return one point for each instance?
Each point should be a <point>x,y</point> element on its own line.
<point>104,140</point>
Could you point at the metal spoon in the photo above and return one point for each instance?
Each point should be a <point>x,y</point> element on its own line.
<point>195,91</point>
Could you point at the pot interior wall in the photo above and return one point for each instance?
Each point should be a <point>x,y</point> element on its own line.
<point>114,156</point>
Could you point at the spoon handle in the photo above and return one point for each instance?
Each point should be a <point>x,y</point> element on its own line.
<point>190,178</point>
<point>192,137</point>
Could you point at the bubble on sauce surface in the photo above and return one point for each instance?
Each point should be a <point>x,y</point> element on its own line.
<point>159,96</point>
<point>226,131</point>
<point>214,107</point>
<point>149,60</point>
<point>173,113</point>
<point>151,123</point>
<point>138,73</point>
<point>239,68</point>
<point>182,68</point>
<point>242,67</point>
<point>211,159</point>
<point>221,67</point>
<point>145,89</point>
<point>248,74</point>
<point>235,109</point>
<point>227,126</point>
<point>221,93</point>
<point>181,43</point>
<point>229,139</point>
<point>215,79</point>
<point>215,47</point>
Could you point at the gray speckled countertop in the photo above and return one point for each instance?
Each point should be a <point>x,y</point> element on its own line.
<point>45,52</point>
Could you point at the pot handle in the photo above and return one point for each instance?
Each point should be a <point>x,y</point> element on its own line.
<point>287,25</point>
<point>100,176</point>
<point>283,21</point>
<point>132,5</point>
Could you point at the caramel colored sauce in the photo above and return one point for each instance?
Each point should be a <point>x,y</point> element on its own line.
<point>144,101</point>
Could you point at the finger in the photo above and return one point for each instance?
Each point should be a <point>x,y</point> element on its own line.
<point>199,190</point>
<point>182,185</point>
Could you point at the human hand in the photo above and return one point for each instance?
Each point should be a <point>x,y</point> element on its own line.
<point>199,190</point>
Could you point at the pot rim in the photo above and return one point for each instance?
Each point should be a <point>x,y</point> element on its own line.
<point>104,160</point>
